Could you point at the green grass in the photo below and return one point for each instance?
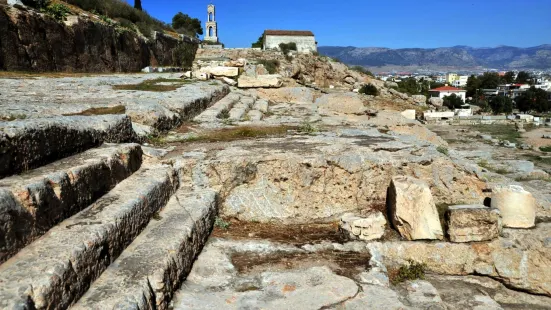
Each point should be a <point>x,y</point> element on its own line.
<point>153,85</point>
<point>500,131</point>
<point>539,159</point>
<point>221,223</point>
<point>532,178</point>
<point>484,164</point>
<point>443,150</point>
<point>308,128</point>
<point>13,117</point>
<point>546,149</point>
<point>271,65</point>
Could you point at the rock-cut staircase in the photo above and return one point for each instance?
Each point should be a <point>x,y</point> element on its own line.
<point>101,229</point>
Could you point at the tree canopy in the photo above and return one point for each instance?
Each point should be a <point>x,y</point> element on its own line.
<point>501,104</point>
<point>509,77</point>
<point>453,101</point>
<point>259,43</point>
<point>524,77</point>
<point>183,23</point>
<point>534,99</point>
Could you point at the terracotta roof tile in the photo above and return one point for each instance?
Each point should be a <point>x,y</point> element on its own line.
<point>289,33</point>
<point>447,88</point>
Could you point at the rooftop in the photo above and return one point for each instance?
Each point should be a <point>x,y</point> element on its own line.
<point>302,33</point>
<point>448,88</point>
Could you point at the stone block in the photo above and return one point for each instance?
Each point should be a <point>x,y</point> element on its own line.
<point>517,206</point>
<point>470,223</point>
<point>363,228</point>
<point>409,114</point>
<point>437,102</point>
<point>412,209</point>
<point>260,81</point>
<point>221,71</point>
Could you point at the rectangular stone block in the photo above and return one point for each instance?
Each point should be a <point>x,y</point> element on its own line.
<point>268,80</point>
<point>471,223</point>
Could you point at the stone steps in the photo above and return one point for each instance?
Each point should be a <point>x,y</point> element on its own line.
<point>153,267</point>
<point>33,202</point>
<point>27,144</point>
<point>54,271</point>
<point>213,113</point>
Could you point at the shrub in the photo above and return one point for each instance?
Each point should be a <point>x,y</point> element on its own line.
<point>271,65</point>
<point>369,89</point>
<point>545,149</point>
<point>58,11</point>
<point>443,150</point>
<point>453,101</point>
<point>411,271</point>
<point>362,70</point>
<point>287,47</point>
<point>220,223</point>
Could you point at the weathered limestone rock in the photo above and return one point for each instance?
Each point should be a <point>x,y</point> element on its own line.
<point>241,62</point>
<point>261,105</point>
<point>364,228</point>
<point>221,71</point>
<point>409,114</point>
<point>158,259</point>
<point>32,203</point>
<point>437,102</point>
<point>312,288</point>
<point>288,94</point>
<point>412,209</point>
<point>254,115</point>
<point>349,80</point>
<point>29,143</point>
<point>517,206</point>
<point>389,84</point>
<point>267,80</point>
<point>423,295</point>
<point>347,103</point>
<point>202,76</point>
<point>468,223</point>
<point>228,81</point>
<point>419,99</point>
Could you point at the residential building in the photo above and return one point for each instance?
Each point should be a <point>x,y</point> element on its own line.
<point>460,81</point>
<point>305,40</point>
<point>447,90</point>
<point>451,77</point>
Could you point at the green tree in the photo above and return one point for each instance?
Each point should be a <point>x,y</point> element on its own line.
<point>453,101</point>
<point>409,86</point>
<point>524,77</point>
<point>259,43</point>
<point>183,23</point>
<point>138,4</point>
<point>473,84</point>
<point>501,104</point>
<point>39,4</point>
<point>534,99</point>
<point>509,77</point>
<point>489,80</point>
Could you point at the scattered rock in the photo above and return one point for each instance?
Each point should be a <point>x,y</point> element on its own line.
<point>269,80</point>
<point>436,102</point>
<point>347,103</point>
<point>364,228</point>
<point>389,84</point>
<point>419,100</point>
<point>409,114</point>
<point>221,71</point>
<point>517,206</point>
<point>469,223</point>
<point>412,209</point>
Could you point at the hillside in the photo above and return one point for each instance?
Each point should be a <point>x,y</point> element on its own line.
<point>501,57</point>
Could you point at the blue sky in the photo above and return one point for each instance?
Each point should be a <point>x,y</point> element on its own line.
<point>381,23</point>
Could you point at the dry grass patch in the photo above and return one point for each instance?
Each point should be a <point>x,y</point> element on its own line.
<point>241,133</point>
<point>119,109</point>
<point>153,85</point>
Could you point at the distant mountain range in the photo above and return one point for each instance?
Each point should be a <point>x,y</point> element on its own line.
<point>501,57</point>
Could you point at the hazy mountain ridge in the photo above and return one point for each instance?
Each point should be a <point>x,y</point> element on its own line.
<point>505,57</point>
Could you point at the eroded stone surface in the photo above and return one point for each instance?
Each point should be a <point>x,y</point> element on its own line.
<point>470,223</point>
<point>517,206</point>
<point>366,228</point>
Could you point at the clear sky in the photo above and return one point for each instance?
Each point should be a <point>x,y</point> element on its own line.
<point>380,23</point>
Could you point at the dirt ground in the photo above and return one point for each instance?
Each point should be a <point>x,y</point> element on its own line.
<point>534,137</point>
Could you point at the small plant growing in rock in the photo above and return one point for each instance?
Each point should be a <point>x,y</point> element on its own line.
<point>58,11</point>
<point>369,89</point>
<point>443,150</point>
<point>408,272</point>
<point>225,114</point>
<point>307,128</point>
<point>221,223</point>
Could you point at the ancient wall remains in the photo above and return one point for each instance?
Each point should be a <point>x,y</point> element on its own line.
<point>304,43</point>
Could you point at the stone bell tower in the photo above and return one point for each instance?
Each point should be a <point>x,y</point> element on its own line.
<point>211,26</point>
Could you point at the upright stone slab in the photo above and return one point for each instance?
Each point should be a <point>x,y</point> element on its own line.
<point>412,209</point>
<point>517,206</point>
<point>469,223</point>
